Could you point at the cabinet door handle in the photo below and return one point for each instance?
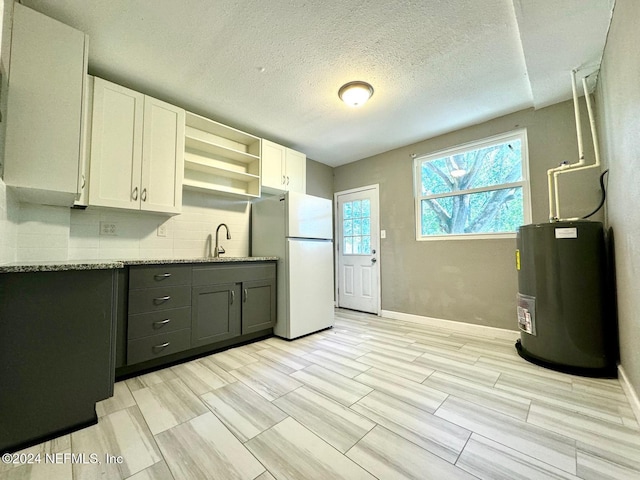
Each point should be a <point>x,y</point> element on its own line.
<point>287,179</point>
<point>143,195</point>
<point>233,296</point>
<point>161,299</point>
<point>84,182</point>
<point>134,194</point>
<point>283,179</point>
<point>162,345</point>
<point>245,295</point>
<point>161,276</point>
<point>161,323</point>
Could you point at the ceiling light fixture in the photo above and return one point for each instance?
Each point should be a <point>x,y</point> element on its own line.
<point>355,94</point>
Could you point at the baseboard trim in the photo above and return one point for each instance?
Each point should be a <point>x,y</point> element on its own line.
<point>630,392</point>
<point>473,328</point>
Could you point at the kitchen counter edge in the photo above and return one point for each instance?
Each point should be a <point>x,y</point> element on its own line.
<point>63,265</point>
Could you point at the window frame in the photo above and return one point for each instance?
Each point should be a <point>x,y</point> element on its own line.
<point>519,134</point>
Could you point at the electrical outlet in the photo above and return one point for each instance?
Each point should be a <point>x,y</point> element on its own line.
<point>162,230</point>
<point>107,228</point>
<point>383,234</point>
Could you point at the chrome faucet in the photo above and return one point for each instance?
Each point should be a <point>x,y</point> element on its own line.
<point>218,249</point>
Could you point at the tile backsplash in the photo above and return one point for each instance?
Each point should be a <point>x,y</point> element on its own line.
<point>40,233</point>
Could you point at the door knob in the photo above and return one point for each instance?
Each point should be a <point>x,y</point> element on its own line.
<point>373,260</point>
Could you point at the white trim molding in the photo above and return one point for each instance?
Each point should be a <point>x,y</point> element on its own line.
<point>630,392</point>
<point>482,330</point>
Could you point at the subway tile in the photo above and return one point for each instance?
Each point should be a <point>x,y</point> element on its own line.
<point>243,411</point>
<point>331,384</point>
<point>121,399</point>
<point>488,460</point>
<point>168,404</point>
<point>336,424</point>
<point>200,378</point>
<point>389,456</point>
<point>414,393</point>
<point>289,450</point>
<point>434,434</point>
<point>265,380</point>
<point>540,443</point>
<point>123,433</point>
<point>516,406</point>
<point>211,449</point>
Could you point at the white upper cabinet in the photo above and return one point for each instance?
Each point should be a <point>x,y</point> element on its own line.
<point>220,159</point>
<point>137,148</point>
<point>283,169</point>
<point>47,75</point>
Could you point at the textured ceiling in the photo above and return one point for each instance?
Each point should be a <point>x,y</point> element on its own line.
<point>274,68</point>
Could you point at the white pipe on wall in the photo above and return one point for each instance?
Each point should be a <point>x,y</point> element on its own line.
<point>592,122</point>
<point>576,109</point>
<point>554,173</point>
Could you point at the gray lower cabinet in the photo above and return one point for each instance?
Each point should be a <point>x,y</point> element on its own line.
<point>215,313</point>
<point>159,311</point>
<point>56,352</point>
<point>258,305</point>
<point>178,309</point>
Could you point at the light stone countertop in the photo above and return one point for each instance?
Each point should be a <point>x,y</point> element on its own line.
<point>64,265</point>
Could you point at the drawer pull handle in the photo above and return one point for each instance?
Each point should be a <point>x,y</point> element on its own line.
<point>161,323</point>
<point>233,296</point>
<point>162,276</point>
<point>163,345</point>
<point>158,300</point>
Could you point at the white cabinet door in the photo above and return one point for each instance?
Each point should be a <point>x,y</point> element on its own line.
<point>44,108</point>
<point>283,169</point>
<point>162,157</point>
<point>137,151</point>
<point>116,146</point>
<point>273,167</point>
<point>296,172</point>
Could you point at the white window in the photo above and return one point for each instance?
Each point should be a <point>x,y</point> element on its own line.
<point>476,190</point>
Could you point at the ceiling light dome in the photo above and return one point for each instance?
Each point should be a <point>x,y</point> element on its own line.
<point>355,94</point>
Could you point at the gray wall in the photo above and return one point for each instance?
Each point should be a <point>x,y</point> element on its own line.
<point>618,96</point>
<point>319,179</point>
<point>471,281</point>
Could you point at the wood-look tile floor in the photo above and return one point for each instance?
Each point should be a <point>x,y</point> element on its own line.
<point>370,398</point>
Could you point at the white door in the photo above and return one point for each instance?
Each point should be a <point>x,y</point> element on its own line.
<point>358,241</point>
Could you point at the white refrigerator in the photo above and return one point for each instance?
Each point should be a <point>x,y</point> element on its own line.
<point>298,229</point>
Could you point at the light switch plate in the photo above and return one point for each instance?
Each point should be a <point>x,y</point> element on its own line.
<point>383,234</point>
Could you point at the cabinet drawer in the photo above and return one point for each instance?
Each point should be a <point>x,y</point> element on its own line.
<point>159,275</point>
<point>147,348</point>
<point>154,323</point>
<point>162,298</point>
<point>211,275</point>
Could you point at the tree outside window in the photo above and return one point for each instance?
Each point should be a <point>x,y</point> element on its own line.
<point>475,189</point>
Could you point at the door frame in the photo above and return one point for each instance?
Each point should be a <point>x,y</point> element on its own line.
<point>338,241</point>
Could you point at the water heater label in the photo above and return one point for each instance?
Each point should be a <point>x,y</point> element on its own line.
<point>527,314</point>
<point>567,232</point>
